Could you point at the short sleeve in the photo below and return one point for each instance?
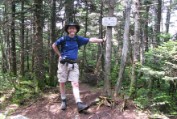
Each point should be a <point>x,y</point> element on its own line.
<point>82,40</point>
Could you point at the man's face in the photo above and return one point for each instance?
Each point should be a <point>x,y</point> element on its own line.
<point>72,30</point>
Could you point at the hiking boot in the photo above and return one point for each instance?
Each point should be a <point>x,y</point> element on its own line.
<point>63,105</point>
<point>81,106</point>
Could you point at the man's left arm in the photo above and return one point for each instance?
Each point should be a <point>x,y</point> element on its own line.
<point>96,40</point>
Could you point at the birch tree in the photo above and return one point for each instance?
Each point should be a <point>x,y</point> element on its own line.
<point>136,47</point>
<point>125,47</point>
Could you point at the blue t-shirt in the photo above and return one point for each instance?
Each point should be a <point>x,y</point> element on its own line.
<point>70,49</point>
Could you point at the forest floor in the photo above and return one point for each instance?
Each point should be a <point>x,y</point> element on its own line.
<point>47,107</point>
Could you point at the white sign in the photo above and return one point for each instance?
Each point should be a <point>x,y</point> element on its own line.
<point>109,21</point>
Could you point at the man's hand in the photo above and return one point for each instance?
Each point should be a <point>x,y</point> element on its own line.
<point>59,58</point>
<point>104,40</point>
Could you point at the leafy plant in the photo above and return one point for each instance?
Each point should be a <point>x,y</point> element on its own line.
<point>159,78</point>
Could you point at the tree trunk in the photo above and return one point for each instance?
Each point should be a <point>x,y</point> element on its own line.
<point>120,43</point>
<point>6,33</point>
<point>136,48</point>
<point>2,63</point>
<point>157,21</point>
<point>142,44</point>
<point>69,10</point>
<point>8,49</point>
<point>136,41</point>
<point>100,46</point>
<point>13,44</point>
<point>154,16</point>
<point>27,51</point>
<point>168,17</point>
<point>53,63</point>
<point>86,19</point>
<point>159,16</point>
<point>84,60</point>
<point>167,24</point>
<point>4,40</point>
<point>38,45</point>
<point>22,30</point>
<point>107,68</point>
<point>33,30</point>
<point>125,47</point>
<point>146,28</point>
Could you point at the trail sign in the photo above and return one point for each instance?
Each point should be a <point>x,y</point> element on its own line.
<point>109,21</point>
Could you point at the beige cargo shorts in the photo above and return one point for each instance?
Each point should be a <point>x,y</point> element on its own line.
<point>68,72</point>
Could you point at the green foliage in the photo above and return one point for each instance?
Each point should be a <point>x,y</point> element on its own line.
<point>25,90</point>
<point>164,102</point>
<point>142,101</point>
<point>158,76</point>
<point>5,84</point>
<point>114,74</point>
<point>165,36</point>
<point>119,7</point>
<point>157,57</point>
<point>16,90</point>
<point>101,83</point>
<point>153,73</point>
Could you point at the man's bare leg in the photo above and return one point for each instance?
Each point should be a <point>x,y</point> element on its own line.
<point>80,105</point>
<point>63,96</point>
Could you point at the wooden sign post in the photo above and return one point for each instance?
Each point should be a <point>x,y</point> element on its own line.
<point>109,22</point>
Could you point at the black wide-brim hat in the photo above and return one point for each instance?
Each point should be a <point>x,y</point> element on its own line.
<point>72,24</point>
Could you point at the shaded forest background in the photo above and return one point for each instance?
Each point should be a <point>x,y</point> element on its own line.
<point>138,60</point>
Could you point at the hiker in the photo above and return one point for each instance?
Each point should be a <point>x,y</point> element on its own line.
<point>68,69</point>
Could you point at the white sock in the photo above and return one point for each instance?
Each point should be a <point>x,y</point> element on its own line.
<point>62,91</point>
<point>63,96</point>
<point>76,94</point>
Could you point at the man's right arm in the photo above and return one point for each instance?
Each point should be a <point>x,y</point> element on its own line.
<point>55,48</point>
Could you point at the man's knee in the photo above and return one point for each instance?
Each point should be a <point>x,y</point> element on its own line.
<point>75,84</point>
<point>62,84</point>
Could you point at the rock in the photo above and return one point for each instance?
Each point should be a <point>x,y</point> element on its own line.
<point>18,117</point>
<point>2,116</point>
<point>158,116</point>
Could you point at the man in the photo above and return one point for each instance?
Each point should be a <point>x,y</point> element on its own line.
<point>68,69</point>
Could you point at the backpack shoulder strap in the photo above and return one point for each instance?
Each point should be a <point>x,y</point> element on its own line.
<point>63,43</point>
<point>77,40</point>
<point>61,46</point>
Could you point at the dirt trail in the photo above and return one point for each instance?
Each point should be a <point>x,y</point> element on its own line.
<point>48,108</point>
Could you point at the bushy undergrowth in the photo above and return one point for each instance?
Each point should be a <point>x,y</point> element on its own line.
<point>25,91</point>
<point>17,90</point>
<point>5,84</point>
<point>157,85</point>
